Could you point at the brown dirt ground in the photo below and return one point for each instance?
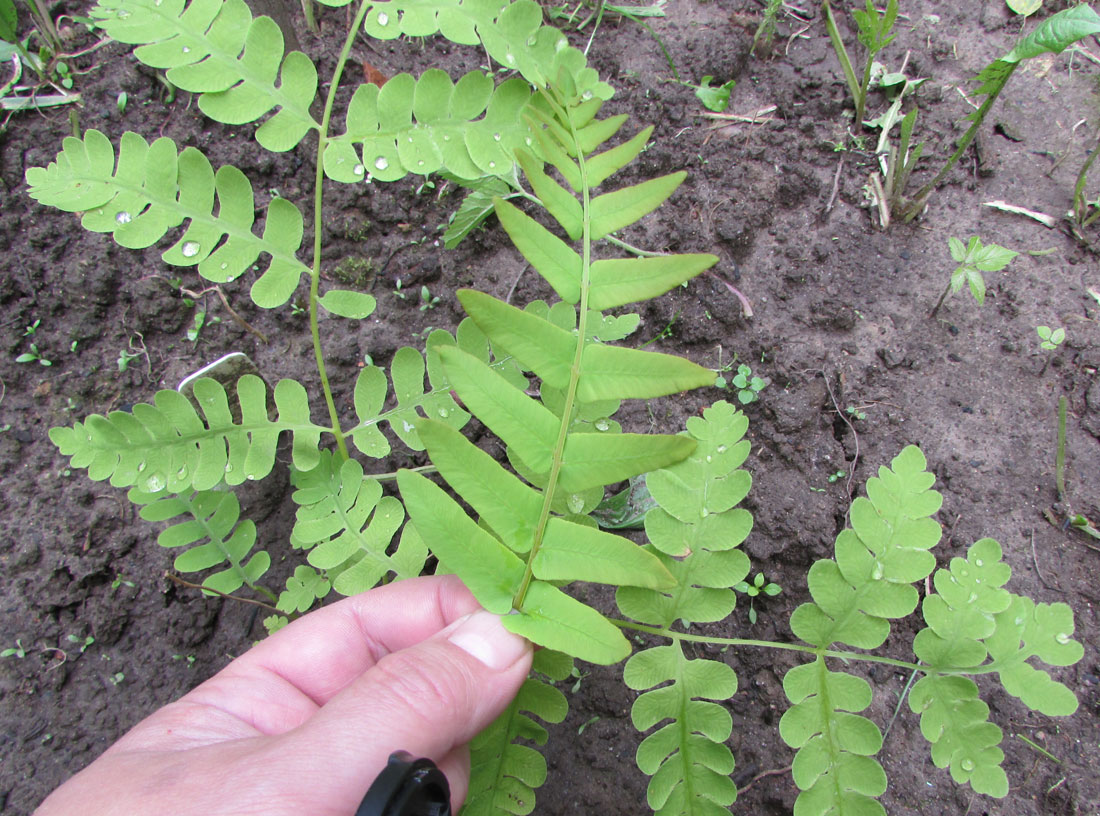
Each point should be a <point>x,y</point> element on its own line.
<point>841,319</point>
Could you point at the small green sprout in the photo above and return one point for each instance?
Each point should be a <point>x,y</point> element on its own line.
<point>119,581</point>
<point>855,413</point>
<point>836,477</point>
<point>715,98</point>
<point>1051,338</point>
<point>972,260</point>
<point>759,585</point>
<point>117,678</point>
<point>578,676</point>
<point>32,356</point>
<point>32,328</point>
<point>120,103</point>
<point>84,642</point>
<point>15,651</point>
<point>427,300</point>
<point>201,321</point>
<point>125,358</point>
<point>748,387</point>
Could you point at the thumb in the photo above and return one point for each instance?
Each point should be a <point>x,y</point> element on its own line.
<point>430,699</point>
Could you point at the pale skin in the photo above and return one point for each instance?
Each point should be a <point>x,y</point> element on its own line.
<point>305,721</point>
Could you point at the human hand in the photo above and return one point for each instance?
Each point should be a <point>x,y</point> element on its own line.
<point>305,721</point>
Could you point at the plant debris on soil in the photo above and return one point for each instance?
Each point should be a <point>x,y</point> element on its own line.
<point>840,329</point>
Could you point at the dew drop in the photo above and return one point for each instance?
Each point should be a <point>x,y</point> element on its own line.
<point>586,95</point>
<point>492,165</point>
<point>190,249</point>
<point>380,163</point>
<point>358,169</point>
<point>602,424</point>
<point>721,449</point>
<point>155,482</point>
<point>576,503</point>
<point>420,163</point>
<point>973,597</point>
<point>186,50</point>
<point>251,477</point>
<point>122,14</point>
<point>157,2</point>
<point>496,136</point>
<point>510,59</point>
<point>967,764</point>
<point>964,573</point>
<point>528,141</point>
<point>141,467</point>
<point>704,513</point>
<point>446,137</point>
<point>443,412</point>
<point>124,217</point>
<point>710,458</point>
<point>383,19</point>
<point>1019,620</point>
<point>225,266</point>
<point>182,473</point>
<point>408,426</point>
<point>1062,638</point>
<point>878,571</point>
<point>228,468</point>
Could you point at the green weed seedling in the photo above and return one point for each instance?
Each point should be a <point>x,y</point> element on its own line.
<point>874,35</point>
<point>748,387</point>
<point>33,356</point>
<point>14,651</point>
<point>1050,339</point>
<point>83,642</point>
<point>759,586</point>
<point>973,259</point>
<point>546,379</point>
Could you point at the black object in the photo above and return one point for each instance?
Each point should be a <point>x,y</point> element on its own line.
<point>407,787</point>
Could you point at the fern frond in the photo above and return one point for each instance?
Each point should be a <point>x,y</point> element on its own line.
<point>215,48</point>
<point>154,188</point>
<point>877,559</point>
<point>504,774</point>
<point>855,596</point>
<point>429,125</point>
<point>346,525</point>
<point>512,33</point>
<point>303,589</point>
<point>687,757</point>
<point>212,532</point>
<point>168,446</point>
<point>834,767</point>
<point>694,532</point>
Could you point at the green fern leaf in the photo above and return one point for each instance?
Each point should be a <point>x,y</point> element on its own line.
<point>346,524</point>
<point>504,775</point>
<point>613,211</point>
<point>687,759</point>
<point>956,722</point>
<point>167,445</point>
<point>834,767</point>
<point>303,589</point>
<point>428,125</point>
<point>155,189</point>
<point>212,518</point>
<point>877,558</point>
<point>696,527</point>
<point>215,48</point>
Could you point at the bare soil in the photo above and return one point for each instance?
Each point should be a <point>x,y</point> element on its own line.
<point>841,319</point>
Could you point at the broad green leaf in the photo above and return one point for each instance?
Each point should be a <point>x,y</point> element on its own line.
<point>1056,33</point>
<point>619,281</point>
<point>558,201</point>
<point>613,372</point>
<point>525,426</point>
<point>571,552</point>
<point>539,346</point>
<point>602,166</point>
<point>613,211</point>
<point>547,253</point>
<point>345,303</point>
<point>507,505</point>
<point>592,460</point>
<point>490,570</point>
<point>553,619</point>
<point>1024,8</point>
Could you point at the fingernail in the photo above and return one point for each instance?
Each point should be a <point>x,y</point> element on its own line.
<point>482,635</point>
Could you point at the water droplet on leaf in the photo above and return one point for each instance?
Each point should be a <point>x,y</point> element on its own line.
<point>967,764</point>
<point>380,163</point>
<point>443,412</point>
<point>978,562</point>
<point>878,571</point>
<point>182,473</point>
<point>496,136</point>
<point>228,468</point>
<point>602,424</point>
<point>721,449</point>
<point>408,426</point>
<point>1062,638</point>
<point>190,249</point>
<point>124,217</point>
<point>185,50</point>
<point>155,482</point>
<point>358,169</point>
<point>383,19</point>
<point>492,165</point>
<point>141,467</point>
<point>576,503</point>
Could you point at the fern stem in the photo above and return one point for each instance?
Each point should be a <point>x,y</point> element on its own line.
<point>574,370</point>
<point>315,270</point>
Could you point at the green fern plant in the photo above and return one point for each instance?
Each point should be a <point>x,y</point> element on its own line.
<point>531,536</point>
